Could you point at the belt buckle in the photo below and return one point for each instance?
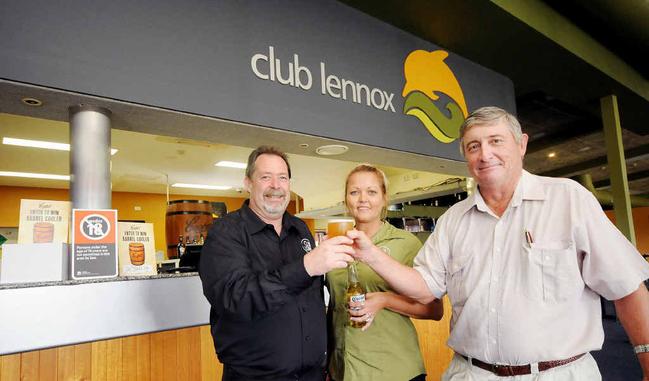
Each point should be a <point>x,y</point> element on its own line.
<point>503,370</point>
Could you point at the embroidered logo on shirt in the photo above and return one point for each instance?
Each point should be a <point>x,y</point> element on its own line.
<point>385,249</point>
<point>306,245</point>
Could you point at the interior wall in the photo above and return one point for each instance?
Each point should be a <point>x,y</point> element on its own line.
<point>640,225</point>
<point>152,206</point>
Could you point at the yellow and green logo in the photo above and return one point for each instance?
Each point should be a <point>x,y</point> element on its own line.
<point>427,75</point>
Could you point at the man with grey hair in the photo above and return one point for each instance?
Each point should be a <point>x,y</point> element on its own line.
<point>524,261</point>
<point>262,275</point>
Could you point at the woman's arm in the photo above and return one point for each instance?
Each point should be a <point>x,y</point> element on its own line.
<point>412,308</point>
<point>376,301</point>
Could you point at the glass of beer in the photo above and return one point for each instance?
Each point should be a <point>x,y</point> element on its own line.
<point>339,226</point>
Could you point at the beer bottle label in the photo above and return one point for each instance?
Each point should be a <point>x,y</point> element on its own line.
<point>357,298</point>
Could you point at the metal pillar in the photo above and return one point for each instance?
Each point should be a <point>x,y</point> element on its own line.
<point>90,186</point>
<point>617,166</point>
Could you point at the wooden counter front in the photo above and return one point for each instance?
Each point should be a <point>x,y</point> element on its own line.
<point>131,329</point>
<point>177,355</point>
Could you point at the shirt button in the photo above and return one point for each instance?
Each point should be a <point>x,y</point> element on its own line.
<point>303,309</point>
<point>307,338</point>
<point>495,279</point>
<point>497,250</point>
<point>493,341</point>
<point>493,310</point>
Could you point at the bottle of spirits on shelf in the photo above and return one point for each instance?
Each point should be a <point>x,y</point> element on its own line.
<point>180,248</point>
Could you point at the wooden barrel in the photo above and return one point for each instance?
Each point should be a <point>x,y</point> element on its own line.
<point>187,218</point>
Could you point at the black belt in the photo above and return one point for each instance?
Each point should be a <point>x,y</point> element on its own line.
<point>519,370</point>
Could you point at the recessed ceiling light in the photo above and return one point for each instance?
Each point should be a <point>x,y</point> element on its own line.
<point>231,164</point>
<point>331,150</point>
<point>35,175</point>
<point>201,186</point>
<point>552,154</point>
<point>33,102</point>
<point>42,144</point>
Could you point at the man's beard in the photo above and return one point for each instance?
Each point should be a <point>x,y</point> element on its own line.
<point>275,210</point>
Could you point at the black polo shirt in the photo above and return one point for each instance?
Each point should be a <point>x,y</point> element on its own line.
<point>268,314</point>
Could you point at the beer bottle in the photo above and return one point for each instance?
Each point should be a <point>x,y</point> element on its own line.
<point>355,292</point>
<point>180,248</point>
<point>201,241</point>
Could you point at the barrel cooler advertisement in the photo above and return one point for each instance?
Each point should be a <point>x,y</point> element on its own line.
<point>136,249</point>
<point>43,221</point>
<point>94,243</point>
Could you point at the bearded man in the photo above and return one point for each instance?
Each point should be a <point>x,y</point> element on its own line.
<point>262,275</point>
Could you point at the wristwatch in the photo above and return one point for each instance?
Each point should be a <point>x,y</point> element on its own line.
<point>642,348</point>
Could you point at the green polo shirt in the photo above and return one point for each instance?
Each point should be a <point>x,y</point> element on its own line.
<point>388,350</point>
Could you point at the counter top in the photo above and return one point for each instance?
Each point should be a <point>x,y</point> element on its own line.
<point>101,280</point>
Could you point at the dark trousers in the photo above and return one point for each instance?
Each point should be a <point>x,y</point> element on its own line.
<point>421,377</point>
<point>313,374</point>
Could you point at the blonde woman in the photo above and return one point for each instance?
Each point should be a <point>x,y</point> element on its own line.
<point>386,348</point>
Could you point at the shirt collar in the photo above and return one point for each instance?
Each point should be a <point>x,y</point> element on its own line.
<point>529,187</point>
<point>382,233</point>
<point>532,187</point>
<point>256,224</point>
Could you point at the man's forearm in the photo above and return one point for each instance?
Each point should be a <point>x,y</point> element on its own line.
<point>633,312</point>
<point>403,279</point>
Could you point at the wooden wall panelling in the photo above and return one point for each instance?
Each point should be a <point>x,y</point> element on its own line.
<point>98,361</point>
<point>169,356</point>
<point>157,357</point>
<point>82,361</point>
<point>143,357</point>
<point>48,364</point>
<point>129,358</point>
<point>29,366</point>
<point>65,363</point>
<point>10,367</point>
<point>211,368</point>
<point>114,360</point>
<point>432,342</point>
<point>188,345</point>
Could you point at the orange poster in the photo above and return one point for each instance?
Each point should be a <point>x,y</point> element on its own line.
<point>94,243</point>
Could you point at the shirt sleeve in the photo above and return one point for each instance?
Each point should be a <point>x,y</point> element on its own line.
<point>234,288</point>
<point>430,261</point>
<point>612,266</point>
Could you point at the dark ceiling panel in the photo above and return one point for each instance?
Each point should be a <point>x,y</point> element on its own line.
<point>558,94</point>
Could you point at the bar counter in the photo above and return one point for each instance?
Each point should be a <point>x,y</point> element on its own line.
<point>51,314</point>
<point>130,328</point>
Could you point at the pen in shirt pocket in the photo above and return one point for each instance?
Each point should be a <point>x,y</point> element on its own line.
<point>528,237</point>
